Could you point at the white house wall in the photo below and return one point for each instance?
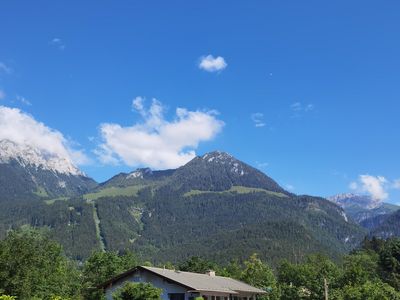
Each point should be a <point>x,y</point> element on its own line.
<point>143,276</point>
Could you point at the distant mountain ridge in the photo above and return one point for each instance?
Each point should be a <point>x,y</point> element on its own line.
<point>379,218</point>
<point>138,177</point>
<point>348,200</point>
<point>215,206</point>
<point>362,207</point>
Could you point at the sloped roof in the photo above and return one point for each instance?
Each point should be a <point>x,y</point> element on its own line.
<point>196,281</point>
<point>204,282</point>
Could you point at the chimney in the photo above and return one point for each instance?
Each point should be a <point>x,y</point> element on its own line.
<point>210,273</point>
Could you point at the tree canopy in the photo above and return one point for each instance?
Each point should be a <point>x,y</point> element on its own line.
<point>32,265</point>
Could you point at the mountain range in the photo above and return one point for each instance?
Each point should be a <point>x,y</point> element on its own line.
<point>215,206</point>
<point>379,218</point>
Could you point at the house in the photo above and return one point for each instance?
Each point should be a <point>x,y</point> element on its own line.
<point>178,285</point>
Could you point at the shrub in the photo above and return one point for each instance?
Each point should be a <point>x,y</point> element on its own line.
<point>6,297</point>
<point>137,291</point>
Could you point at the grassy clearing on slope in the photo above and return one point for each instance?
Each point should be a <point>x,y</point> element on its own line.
<point>41,192</point>
<point>51,201</point>
<point>113,191</point>
<point>137,212</point>
<point>237,189</point>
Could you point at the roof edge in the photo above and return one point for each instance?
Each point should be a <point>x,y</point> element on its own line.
<point>133,270</point>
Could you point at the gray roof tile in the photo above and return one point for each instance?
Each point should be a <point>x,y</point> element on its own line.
<point>204,282</point>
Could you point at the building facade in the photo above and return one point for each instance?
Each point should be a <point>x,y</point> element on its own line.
<point>177,285</point>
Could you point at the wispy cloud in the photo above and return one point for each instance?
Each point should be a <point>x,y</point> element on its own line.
<point>4,68</point>
<point>299,108</point>
<point>157,142</point>
<point>296,106</point>
<point>58,43</point>
<point>23,100</point>
<point>289,187</point>
<point>340,174</point>
<point>262,165</point>
<point>258,119</point>
<point>2,95</point>
<point>353,186</point>
<point>210,63</point>
<point>23,129</point>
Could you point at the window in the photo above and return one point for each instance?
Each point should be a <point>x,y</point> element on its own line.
<point>176,296</point>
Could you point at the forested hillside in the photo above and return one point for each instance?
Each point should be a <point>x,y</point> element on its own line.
<point>215,206</point>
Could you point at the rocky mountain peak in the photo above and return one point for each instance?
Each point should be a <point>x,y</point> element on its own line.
<point>139,173</point>
<point>28,156</point>
<point>218,157</point>
<point>349,199</point>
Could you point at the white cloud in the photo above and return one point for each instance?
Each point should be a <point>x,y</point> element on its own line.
<point>137,104</point>
<point>2,94</point>
<point>378,187</point>
<point>23,129</point>
<point>258,119</point>
<point>157,142</point>
<point>210,63</point>
<point>375,186</point>
<point>4,68</point>
<point>57,42</point>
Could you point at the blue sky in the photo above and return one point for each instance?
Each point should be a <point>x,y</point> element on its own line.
<point>319,79</point>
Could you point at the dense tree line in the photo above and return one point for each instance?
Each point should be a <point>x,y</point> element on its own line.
<point>70,222</point>
<point>32,266</point>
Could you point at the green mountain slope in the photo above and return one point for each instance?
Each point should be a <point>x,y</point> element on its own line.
<point>139,177</point>
<point>19,182</point>
<point>387,227</point>
<point>224,226</point>
<point>215,206</point>
<point>219,171</point>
